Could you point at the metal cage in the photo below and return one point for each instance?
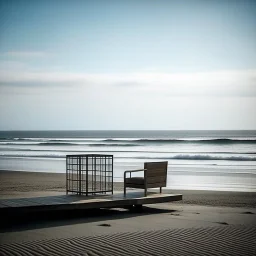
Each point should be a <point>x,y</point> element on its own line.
<point>89,174</point>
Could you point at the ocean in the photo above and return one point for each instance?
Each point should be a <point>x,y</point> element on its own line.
<point>199,160</point>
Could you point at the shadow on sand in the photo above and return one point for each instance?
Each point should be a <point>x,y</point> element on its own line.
<point>58,218</point>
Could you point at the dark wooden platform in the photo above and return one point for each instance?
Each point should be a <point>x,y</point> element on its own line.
<point>74,202</point>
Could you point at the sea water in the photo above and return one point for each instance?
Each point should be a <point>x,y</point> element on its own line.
<point>210,160</point>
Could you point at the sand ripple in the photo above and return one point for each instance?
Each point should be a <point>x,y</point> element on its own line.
<point>220,240</point>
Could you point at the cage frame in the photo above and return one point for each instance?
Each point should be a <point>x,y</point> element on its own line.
<point>80,171</point>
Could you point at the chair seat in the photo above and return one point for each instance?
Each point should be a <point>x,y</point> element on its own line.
<point>135,180</point>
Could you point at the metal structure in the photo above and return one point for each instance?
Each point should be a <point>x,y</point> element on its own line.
<point>89,174</point>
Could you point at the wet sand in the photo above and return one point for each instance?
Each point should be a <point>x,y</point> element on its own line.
<point>27,184</point>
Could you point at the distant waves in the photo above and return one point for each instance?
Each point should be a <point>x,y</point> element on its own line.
<point>122,142</point>
<point>174,157</point>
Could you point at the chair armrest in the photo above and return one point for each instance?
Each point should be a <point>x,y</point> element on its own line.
<point>139,170</point>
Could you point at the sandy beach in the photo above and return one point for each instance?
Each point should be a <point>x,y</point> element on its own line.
<point>204,223</point>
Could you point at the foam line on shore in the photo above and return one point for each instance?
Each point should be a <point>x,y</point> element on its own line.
<point>217,240</point>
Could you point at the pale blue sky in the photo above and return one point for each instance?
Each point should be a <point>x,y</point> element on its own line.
<point>127,64</point>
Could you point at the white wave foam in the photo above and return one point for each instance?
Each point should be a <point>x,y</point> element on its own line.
<point>213,157</point>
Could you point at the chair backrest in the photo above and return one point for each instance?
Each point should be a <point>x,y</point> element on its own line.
<point>156,173</point>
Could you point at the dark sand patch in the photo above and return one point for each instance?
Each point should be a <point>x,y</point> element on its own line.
<point>104,225</point>
<point>222,223</point>
<point>175,214</point>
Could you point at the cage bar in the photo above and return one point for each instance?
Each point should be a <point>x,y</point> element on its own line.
<point>89,174</point>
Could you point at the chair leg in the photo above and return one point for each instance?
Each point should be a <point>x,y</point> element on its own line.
<point>124,184</point>
<point>145,192</point>
<point>160,190</point>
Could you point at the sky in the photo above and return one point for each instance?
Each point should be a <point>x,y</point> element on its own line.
<point>121,65</point>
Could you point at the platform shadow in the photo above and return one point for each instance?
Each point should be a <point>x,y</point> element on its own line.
<point>58,218</point>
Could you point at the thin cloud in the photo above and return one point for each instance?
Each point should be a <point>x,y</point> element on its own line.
<point>221,83</point>
<point>26,54</point>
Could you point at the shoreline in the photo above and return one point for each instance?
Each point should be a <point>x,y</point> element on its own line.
<point>14,184</point>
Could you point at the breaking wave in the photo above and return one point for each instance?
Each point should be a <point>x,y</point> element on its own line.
<point>207,157</point>
<point>204,141</point>
<point>174,157</point>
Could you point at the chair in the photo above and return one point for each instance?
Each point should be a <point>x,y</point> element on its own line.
<point>155,174</point>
